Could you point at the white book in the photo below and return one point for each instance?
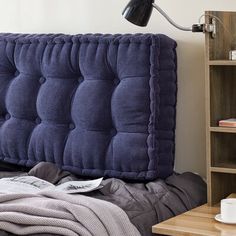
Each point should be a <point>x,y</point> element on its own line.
<point>31,184</point>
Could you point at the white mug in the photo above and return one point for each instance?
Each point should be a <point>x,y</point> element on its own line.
<point>228,209</point>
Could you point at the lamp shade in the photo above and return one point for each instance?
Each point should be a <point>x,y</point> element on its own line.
<point>138,12</point>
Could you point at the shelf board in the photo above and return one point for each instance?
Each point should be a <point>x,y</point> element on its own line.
<point>223,170</point>
<point>222,129</point>
<point>222,63</point>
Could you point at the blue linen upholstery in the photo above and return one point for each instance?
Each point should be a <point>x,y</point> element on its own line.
<point>96,105</point>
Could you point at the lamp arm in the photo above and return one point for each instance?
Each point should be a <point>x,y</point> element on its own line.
<point>170,20</point>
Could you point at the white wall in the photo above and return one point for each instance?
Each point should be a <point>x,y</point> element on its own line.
<point>83,16</point>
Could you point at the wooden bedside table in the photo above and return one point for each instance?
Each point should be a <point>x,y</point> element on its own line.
<point>197,222</point>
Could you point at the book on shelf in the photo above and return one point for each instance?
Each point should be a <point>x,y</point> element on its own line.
<point>228,123</point>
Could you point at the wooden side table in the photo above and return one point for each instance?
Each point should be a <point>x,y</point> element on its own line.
<point>197,222</point>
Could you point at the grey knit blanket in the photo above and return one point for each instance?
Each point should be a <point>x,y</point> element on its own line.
<point>57,213</point>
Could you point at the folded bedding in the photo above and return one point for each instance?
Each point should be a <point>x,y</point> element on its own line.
<point>62,214</point>
<point>144,204</point>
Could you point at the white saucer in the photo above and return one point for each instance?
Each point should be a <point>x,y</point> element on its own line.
<point>218,218</point>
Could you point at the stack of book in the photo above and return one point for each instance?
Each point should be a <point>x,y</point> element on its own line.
<point>228,123</point>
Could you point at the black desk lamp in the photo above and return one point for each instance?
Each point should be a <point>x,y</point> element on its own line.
<point>138,12</point>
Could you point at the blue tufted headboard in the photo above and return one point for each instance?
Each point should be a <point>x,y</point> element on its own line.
<point>96,105</point>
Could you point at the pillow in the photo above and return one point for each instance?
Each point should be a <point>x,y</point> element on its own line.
<point>96,105</point>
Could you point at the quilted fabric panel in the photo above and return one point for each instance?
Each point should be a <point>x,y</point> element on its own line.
<point>96,105</point>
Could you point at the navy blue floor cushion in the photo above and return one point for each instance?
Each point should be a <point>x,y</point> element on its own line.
<point>96,105</point>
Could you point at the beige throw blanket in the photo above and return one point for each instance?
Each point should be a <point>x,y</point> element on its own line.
<point>62,214</point>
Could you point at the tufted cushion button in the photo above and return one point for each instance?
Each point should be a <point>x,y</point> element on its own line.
<point>42,80</point>
<point>80,79</point>
<point>113,132</point>
<point>116,81</point>
<point>71,126</point>
<point>37,120</point>
<point>7,116</point>
<point>16,73</point>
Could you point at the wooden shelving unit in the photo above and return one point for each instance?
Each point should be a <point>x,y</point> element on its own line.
<point>221,63</point>
<point>220,104</point>
<point>222,130</point>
